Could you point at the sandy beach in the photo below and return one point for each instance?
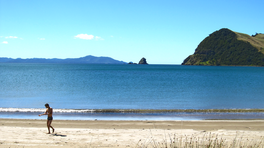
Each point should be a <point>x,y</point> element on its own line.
<point>19,133</point>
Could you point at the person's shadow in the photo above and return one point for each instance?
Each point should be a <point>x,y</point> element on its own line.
<point>59,135</point>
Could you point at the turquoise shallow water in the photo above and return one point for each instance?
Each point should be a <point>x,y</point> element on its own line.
<point>86,86</point>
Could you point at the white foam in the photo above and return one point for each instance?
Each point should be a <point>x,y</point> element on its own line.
<point>43,110</point>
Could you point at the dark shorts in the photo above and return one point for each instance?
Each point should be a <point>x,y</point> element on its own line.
<point>50,118</point>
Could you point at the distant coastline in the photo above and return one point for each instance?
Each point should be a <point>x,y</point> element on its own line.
<point>82,60</point>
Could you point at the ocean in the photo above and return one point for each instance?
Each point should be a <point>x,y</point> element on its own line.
<point>82,91</point>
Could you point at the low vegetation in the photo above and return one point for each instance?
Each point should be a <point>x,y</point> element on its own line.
<point>256,41</point>
<point>207,140</point>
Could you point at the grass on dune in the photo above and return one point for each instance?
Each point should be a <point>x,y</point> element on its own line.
<point>208,140</point>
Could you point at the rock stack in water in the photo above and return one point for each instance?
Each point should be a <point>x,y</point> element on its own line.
<point>143,61</point>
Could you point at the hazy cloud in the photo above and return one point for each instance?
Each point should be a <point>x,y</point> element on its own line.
<point>42,39</point>
<point>84,36</point>
<point>5,42</point>
<point>98,38</point>
<point>11,37</point>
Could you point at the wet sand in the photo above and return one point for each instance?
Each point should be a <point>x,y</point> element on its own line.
<point>72,133</point>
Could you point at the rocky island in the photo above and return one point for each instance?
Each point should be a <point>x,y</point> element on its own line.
<point>226,47</point>
<point>143,61</point>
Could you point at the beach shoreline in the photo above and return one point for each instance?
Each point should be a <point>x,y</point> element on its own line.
<point>113,133</point>
<point>69,114</point>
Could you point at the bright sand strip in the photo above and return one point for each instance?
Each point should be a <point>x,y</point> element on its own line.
<point>32,133</point>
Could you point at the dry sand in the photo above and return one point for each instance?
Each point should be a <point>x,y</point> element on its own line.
<point>32,133</point>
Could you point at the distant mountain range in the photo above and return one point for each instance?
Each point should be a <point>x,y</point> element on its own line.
<point>226,47</point>
<point>83,60</point>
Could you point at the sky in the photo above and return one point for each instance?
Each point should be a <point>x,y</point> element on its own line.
<point>162,31</point>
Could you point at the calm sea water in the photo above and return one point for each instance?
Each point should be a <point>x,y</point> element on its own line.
<point>85,86</point>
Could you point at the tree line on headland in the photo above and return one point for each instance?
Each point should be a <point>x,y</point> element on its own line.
<point>227,48</point>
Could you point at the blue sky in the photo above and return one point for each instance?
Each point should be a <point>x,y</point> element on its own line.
<point>162,31</point>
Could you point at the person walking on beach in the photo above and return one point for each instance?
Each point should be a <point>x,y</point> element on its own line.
<point>49,112</point>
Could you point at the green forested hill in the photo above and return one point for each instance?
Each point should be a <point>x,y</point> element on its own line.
<point>225,47</point>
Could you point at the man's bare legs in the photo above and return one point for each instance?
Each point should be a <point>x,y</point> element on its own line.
<point>49,126</point>
<point>49,112</point>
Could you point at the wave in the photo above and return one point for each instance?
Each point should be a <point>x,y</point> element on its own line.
<point>43,110</point>
<point>132,110</point>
